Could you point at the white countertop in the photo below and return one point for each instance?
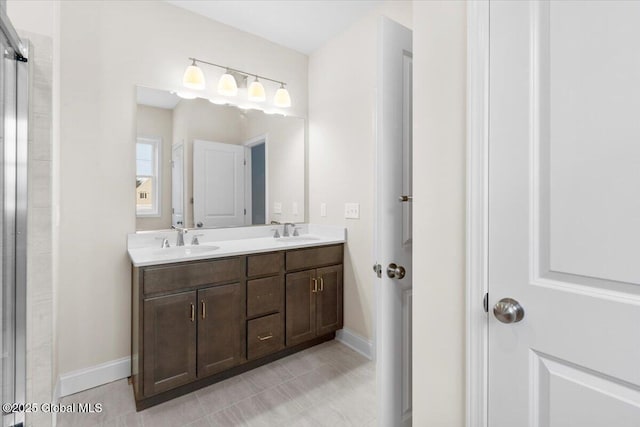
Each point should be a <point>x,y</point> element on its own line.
<point>145,247</point>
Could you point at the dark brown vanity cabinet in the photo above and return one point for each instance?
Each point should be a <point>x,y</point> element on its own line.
<point>195,323</point>
<point>169,342</point>
<point>313,296</point>
<point>220,328</point>
<point>265,304</point>
<point>188,323</point>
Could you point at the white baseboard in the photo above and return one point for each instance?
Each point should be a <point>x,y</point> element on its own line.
<point>355,342</point>
<point>84,379</point>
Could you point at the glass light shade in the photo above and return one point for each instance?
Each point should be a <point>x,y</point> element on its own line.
<point>256,92</point>
<point>282,98</point>
<point>193,78</point>
<point>227,85</point>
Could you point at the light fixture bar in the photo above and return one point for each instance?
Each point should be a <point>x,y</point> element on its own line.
<point>237,71</point>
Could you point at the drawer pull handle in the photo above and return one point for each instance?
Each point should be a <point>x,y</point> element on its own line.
<point>321,284</point>
<point>204,309</point>
<point>315,285</point>
<point>193,313</point>
<point>267,337</point>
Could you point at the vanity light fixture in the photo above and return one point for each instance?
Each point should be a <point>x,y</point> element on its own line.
<point>232,79</point>
<point>256,91</point>
<point>193,77</point>
<point>227,85</point>
<point>282,98</point>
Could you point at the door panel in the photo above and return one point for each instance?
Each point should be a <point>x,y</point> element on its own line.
<point>394,240</point>
<point>563,213</point>
<point>329,299</point>
<point>221,332</point>
<point>218,184</point>
<point>300,307</point>
<point>169,342</point>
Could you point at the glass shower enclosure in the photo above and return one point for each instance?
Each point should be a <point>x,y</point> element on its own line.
<point>13,211</point>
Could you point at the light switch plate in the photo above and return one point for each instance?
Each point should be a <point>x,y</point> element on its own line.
<point>323,209</point>
<point>277,207</point>
<point>352,210</point>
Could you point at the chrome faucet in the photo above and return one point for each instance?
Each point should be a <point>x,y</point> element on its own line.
<point>181,233</point>
<point>285,232</point>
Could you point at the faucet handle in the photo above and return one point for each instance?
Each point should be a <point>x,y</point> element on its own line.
<point>295,231</point>
<point>276,235</point>
<point>194,240</point>
<point>165,242</point>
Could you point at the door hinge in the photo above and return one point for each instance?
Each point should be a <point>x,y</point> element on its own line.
<point>245,211</point>
<point>244,162</point>
<point>485,302</point>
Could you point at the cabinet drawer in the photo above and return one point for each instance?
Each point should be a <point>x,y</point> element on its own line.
<point>265,264</point>
<point>264,295</point>
<point>264,336</point>
<point>176,277</point>
<point>314,257</point>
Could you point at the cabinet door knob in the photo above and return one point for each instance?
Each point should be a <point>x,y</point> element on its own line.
<point>266,337</point>
<point>204,309</point>
<point>321,284</point>
<point>315,285</point>
<point>193,313</point>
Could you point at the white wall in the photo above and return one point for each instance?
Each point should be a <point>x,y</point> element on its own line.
<point>439,48</point>
<point>158,122</point>
<point>342,105</point>
<point>106,49</point>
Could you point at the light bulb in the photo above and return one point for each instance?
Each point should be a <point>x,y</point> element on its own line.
<point>282,98</point>
<point>256,91</point>
<point>193,77</point>
<point>227,85</point>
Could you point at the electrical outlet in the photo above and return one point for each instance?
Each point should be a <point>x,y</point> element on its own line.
<point>323,209</point>
<point>352,210</point>
<point>277,207</point>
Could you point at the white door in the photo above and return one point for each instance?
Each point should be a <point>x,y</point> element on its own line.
<point>393,219</point>
<point>177,186</point>
<point>564,213</point>
<point>218,184</point>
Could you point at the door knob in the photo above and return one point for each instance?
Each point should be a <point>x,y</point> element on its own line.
<point>508,310</point>
<point>396,271</point>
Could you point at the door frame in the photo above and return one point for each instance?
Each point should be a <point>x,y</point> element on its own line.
<point>477,338</point>
<point>252,142</point>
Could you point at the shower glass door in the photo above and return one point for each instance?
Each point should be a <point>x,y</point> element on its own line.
<point>13,211</point>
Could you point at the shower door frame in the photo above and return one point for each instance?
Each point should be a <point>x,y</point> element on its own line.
<point>20,183</point>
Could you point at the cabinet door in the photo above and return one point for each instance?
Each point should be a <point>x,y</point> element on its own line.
<point>329,299</point>
<point>169,350</point>
<point>300,307</point>
<point>221,332</point>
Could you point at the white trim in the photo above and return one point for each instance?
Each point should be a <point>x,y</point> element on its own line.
<point>157,143</point>
<point>355,342</point>
<point>84,379</point>
<point>477,211</point>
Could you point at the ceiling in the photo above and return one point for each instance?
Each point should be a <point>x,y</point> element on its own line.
<point>156,98</point>
<point>301,25</point>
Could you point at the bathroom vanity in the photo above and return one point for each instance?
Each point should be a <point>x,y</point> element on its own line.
<point>202,316</point>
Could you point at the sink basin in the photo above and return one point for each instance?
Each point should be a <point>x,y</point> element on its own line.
<point>185,250</point>
<point>297,239</point>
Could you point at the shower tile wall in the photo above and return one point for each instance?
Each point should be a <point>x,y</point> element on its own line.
<point>39,239</point>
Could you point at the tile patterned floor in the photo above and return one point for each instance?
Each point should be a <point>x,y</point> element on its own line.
<point>326,385</point>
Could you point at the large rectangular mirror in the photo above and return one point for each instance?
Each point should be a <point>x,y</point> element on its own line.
<point>204,165</point>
